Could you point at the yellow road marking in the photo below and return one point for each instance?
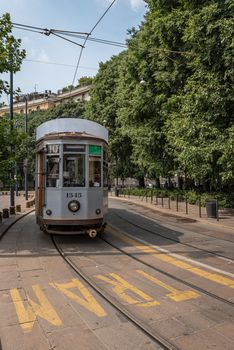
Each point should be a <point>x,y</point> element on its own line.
<point>120,286</point>
<point>176,262</point>
<point>175,294</point>
<point>89,302</point>
<point>28,315</point>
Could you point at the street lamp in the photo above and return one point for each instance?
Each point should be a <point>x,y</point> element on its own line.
<point>26,160</point>
<point>12,192</point>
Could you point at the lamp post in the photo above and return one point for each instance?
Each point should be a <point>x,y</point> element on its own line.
<point>12,192</point>
<point>26,160</point>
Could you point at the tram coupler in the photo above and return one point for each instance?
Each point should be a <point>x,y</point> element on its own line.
<point>92,233</point>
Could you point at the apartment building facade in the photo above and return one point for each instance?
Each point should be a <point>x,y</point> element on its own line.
<point>42,101</point>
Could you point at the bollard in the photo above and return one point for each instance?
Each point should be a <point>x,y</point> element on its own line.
<point>0,217</point>
<point>5,213</point>
<point>12,210</point>
<point>18,208</point>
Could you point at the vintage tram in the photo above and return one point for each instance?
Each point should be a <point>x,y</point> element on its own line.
<point>71,176</point>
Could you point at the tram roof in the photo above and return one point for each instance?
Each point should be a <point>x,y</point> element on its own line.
<point>71,125</point>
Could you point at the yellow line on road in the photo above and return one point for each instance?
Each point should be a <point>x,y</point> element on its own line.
<point>214,277</point>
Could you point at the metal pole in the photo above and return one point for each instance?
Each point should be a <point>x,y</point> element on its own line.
<point>200,207</point>
<point>26,160</point>
<point>12,192</point>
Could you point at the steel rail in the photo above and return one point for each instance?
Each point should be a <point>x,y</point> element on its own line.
<point>14,222</point>
<point>174,239</point>
<point>105,295</point>
<point>177,279</point>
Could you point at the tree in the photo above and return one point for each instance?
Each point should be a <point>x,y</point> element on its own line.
<point>85,81</point>
<point>7,158</point>
<point>10,54</point>
<point>103,108</point>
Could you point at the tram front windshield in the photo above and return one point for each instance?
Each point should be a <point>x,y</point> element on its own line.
<point>74,170</point>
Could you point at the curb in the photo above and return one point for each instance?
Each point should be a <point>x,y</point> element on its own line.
<point>5,226</point>
<point>173,213</point>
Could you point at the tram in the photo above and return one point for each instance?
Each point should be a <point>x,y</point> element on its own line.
<point>71,176</point>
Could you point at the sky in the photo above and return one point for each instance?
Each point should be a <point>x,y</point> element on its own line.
<point>57,57</point>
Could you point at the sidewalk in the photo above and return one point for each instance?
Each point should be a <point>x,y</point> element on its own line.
<point>5,203</point>
<point>225,220</point>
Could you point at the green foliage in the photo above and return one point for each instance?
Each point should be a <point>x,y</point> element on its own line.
<point>171,92</point>
<point>10,142</point>
<point>193,197</point>
<point>10,54</point>
<point>85,81</point>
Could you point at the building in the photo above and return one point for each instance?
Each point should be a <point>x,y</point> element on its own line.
<point>42,101</point>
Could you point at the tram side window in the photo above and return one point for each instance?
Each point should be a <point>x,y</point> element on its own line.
<point>52,171</point>
<point>95,171</point>
<point>74,170</point>
<point>105,168</point>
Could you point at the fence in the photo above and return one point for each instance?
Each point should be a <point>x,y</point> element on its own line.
<point>175,202</point>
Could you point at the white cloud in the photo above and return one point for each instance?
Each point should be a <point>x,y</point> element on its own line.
<point>136,4</point>
<point>43,56</point>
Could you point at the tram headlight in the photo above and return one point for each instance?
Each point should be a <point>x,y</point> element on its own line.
<point>74,206</point>
<point>98,211</point>
<point>48,212</point>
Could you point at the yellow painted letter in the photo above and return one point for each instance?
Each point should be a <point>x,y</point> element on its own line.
<point>88,302</point>
<point>175,294</point>
<point>28,315</point>
<point>120,285</point>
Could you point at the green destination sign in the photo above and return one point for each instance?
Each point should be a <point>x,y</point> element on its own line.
<point>95,150</point>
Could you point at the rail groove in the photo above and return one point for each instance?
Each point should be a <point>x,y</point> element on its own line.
<point>148,331</point>
<point>174,239</point>
<point>191,285</point>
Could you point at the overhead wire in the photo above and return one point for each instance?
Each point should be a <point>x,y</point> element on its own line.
<point>60,64</point>
<point>78,35</point>
<point>88,35</point>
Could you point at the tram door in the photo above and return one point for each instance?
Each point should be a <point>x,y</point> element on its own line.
<point>40,183</point>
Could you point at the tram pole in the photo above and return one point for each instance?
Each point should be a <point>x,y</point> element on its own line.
<point>26,160</point>
<point>12,192</point>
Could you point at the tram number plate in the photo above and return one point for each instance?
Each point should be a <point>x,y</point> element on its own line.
<point>74,195</point>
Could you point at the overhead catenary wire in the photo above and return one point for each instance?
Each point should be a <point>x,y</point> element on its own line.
<point>60,64</point>
<point>78,35</point>
<point>81,51</point>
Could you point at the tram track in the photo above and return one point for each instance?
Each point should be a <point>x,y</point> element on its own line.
<point>177,279</point>
<point>174,239</point>
<point>178,218</point>
<point>163,342</point>
<point>2,234</point>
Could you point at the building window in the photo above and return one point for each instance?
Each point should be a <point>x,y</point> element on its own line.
<point>38,108</point>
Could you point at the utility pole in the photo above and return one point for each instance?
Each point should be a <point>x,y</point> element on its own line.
<point>26,160</point>
<point>12,192</point>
